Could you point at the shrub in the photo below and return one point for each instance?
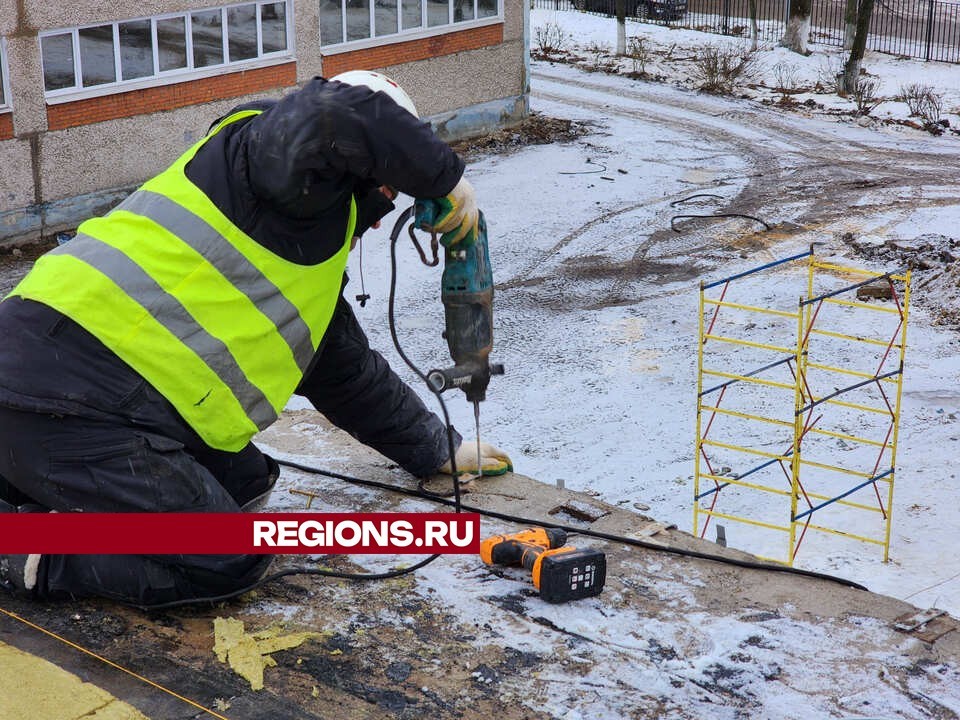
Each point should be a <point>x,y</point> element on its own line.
<point>550,38</point>
<point>865,95</point>
<point>599,52</point>
<point>639,53</point>
<point>923,102</point>
<point>828,74</point>
<point>785,77</point>
<point>721,69</point>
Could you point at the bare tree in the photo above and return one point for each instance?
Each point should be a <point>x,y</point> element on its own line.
<point>851,71</point>
<point>798,27</point>
<point>849,23</point>
<point>621,10</point>
<point>754,32</point>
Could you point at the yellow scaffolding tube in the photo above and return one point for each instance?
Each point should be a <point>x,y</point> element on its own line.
<point>830,484</point>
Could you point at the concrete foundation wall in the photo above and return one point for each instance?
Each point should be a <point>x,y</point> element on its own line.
<point>122,152</point>
<point>438,85</point>
<point>306,34</point>
<point>54,179</point>
<point>8,17</point>
<point>16,188</point>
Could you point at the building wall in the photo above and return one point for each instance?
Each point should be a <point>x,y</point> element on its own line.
<point>65,161</point>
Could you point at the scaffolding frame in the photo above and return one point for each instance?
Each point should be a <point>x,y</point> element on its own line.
<point>809,484</point>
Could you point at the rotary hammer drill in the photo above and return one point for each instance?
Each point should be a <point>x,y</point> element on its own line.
<point>467,296</point>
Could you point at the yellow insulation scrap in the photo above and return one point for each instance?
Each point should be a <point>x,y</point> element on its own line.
<point>249,653</point>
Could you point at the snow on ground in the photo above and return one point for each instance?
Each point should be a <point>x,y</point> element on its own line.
<point>809,79</point>
<point>683,664</point>
<point>600,383</point>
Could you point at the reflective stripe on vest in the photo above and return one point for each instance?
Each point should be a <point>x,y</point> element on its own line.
<point>218,324</point>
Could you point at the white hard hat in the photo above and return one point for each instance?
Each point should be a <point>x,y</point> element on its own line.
<point>377,82</point>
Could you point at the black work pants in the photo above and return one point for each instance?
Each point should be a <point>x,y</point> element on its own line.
<point>69,463</point>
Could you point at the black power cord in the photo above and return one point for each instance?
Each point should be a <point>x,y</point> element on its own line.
<point>460,507</point>
<point>673,220</point>
<point>573,530</point>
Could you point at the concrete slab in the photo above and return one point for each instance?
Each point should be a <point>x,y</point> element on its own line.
<point>670,636</point>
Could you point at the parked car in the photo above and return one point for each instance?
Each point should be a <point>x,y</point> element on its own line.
<point>664,10</point>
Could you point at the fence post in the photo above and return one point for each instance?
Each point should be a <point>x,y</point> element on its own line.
<point>929,27</point>
<point>726,17</point>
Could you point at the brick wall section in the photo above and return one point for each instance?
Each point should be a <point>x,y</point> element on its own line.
<point>6,126</point>
<point>168,97</point>
<point>404,52</point>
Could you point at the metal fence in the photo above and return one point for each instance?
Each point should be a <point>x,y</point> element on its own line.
<point>732,17</point>
<point>927,29</point>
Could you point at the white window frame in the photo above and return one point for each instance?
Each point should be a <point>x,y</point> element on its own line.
<point>167,77</point>
<point>5,105</point>
<point>411,33</point>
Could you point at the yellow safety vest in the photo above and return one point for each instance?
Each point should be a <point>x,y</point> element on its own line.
<point>223,328</point>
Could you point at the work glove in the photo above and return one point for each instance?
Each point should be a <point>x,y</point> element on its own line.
<point>493,460</point>
<point>458,213</point>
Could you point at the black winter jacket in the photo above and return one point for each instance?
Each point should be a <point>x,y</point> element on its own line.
<point>285,178</point>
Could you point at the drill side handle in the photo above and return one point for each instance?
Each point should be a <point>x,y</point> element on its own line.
<point>463,376</point>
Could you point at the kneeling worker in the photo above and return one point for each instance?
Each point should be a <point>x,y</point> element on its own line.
<point>141,357</point>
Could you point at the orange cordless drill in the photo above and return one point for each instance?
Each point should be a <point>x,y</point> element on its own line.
<point>560,572</point>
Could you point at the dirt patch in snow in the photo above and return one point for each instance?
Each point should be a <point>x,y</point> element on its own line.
<point>934,260</point>
<point>537,129</point>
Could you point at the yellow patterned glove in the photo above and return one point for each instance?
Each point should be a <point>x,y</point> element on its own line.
<point>458,213</point>
<point>493,460</point>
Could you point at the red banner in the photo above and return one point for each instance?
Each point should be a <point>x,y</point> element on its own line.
<point>238,533</point>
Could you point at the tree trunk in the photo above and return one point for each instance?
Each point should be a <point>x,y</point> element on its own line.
<point>754,32</point>
<point>798,27</point>
<point>849,24</point>
<point>851,71</point>
<point>621,8</point>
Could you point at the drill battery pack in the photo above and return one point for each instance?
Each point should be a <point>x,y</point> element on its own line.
<point>570,574</point>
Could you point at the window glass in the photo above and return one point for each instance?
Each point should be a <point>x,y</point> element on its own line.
<point>462,10</point>
<point>385,17</point>
<point>410,11</point>
<point>387,14</point>
<point>136,49</point>
<point>273,27</point>
<point>57,53</point>
<point>131,50</point>
<point>438,12</point>
<point>358,19</point>
<point>96,56</point>
<point>242,32</point>
<point>331,22</point>
<point>3,97</point>
<point>486,8</point>
<point>172,43</point>
<point>207,38</point>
